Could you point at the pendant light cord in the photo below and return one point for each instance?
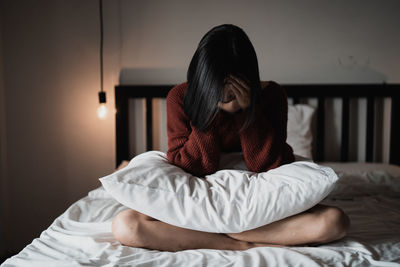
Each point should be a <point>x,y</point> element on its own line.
<point>101,44</point>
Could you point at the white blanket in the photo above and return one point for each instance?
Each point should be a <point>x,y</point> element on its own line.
<point>369,195</point>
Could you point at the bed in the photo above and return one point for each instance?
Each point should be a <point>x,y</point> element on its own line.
<point>368,191</point>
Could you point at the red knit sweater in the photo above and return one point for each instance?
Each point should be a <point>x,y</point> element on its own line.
<point>263,143</point>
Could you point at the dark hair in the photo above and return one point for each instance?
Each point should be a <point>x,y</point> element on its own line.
<point>224,50</point>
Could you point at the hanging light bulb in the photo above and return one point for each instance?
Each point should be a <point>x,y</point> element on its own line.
<point>102,109</point>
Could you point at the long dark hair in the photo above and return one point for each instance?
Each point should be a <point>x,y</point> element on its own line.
<point>224,50</point>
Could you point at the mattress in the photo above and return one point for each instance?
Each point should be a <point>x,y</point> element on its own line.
<point>369,193</point>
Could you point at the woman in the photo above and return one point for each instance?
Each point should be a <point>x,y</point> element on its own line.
<point>224,107</point>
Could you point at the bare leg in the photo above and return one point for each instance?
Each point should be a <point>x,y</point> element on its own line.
<point>135,229</point>
<point>320,224</point>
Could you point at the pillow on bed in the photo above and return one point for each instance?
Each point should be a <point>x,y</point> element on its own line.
<point>299,135</point>
<point>228,201</point>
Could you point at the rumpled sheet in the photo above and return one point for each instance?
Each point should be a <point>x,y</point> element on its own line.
<point>368,193</point>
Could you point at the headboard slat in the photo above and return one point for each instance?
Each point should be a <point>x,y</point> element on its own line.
<point>344,151</point>
<point>149,124</point>
<point>122,122</point>
<point>370,129</point>
<point>395,130</point>
<point>320,129</point>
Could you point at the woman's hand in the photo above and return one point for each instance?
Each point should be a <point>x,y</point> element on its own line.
<point>230,107</point>
<point>241,92</point>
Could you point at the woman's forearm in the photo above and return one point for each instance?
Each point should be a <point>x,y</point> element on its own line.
<point>197,153</point>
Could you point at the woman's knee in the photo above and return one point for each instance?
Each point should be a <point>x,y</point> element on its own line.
<point>125,228</point>
<point>333,224</point>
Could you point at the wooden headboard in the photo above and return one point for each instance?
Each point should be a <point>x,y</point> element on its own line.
<point>297,92</point>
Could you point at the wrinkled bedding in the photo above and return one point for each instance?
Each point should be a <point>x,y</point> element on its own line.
<point>368,193</point>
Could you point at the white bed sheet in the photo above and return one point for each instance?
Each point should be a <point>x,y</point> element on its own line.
<point>368,193</point>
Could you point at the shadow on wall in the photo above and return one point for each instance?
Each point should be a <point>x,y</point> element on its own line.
<point>344,70</point>
<point>147,76</point>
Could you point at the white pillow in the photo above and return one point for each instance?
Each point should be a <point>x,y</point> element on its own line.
<point>299,135</point>
<point>228,201</point>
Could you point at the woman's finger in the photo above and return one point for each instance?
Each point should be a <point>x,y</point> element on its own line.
<point>242,93</point>
<point>227,94</point>
<point>242,97</point>
<point>240,83</point>
<point>239,94</point>
<point>230,107</point>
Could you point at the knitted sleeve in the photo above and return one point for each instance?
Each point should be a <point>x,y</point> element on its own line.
<point>264,141</point>
<point>188,148</point>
